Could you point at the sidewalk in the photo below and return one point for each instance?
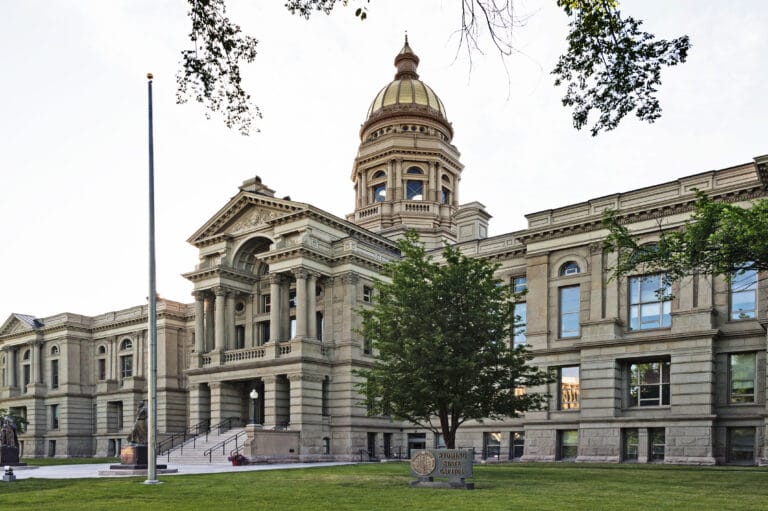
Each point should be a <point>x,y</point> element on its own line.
<point>86,471</point>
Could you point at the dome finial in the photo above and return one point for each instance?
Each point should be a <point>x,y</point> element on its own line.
<point>406,62</point>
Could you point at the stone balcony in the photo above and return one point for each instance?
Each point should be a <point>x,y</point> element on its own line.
<point>283,351</point>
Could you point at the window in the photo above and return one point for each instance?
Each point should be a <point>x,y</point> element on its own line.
<point>55,374</point>
<point>518,334</point>
<point>101,369</point>
<point>102,350</point>
<point>630,444</point>
<point>741,446</point>
<point>569,268</point>
<point>741,377</point>
<point>367,294</point>
<point>126,344</point>
<point>656,444</point>
<point>326,410</point>
<point>491,445</point>
<point>568,383</point>
<point>743,294</point>
<point>126,366</point>
<point>319,325</point>
<point>239,337</point>
<point>379,174</point>
<point>326,445</point>
<point>264,332</point>
<point>27,376</point>
<point>367,346</point>
<point>439,441</point>
<point>567,444</point>
<point>292,298</point>
<point>649,306</point>
<point>519,284</point>
<point>54,351</point>
<point>380,193</point>
<point>414,190</point>
<point>414,170</point>
<point>54,416</point>
<point>445,195</point>
<point>292,326</point>
<point>649,383</point>
<point>569,311</point>
<point>266,301</point>
<point>517,446</point>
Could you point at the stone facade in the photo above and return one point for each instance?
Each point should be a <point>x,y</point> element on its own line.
<point>278,284</point>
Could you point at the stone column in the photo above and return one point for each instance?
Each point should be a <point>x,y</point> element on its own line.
<point>398,191</point>
<point>199,404</point>
<point>349,281</point>
<point>270,400</point>
<point>138,354</point>
<point>218,338</point>
<point>249,303</point>
<point>209,323</point>
<point>274,311</point>
<point>433,187</point>
<point>597,283</point>
<point>199,322</point>
<point>364,188</point>
<point>34,362</point>
<point>301,303</point>
<point>229,342</point>
<point>10,364</point>
<point>285,308</point>
<point>306,400</point>
<point>312,306</point>
<point>215,402</point>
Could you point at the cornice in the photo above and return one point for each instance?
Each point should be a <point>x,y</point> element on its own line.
<point>389,153</point>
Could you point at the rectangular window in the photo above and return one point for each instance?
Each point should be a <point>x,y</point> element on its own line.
<point>292,298</point>
<point>630,443</point>
<point>521,317</point>
<point>649,383</point>
<point>657,443</point>
<point>319,325</point>
<point>569,311</point>
<point>239,337</point>
<point>567,444</point>
<point>326,410</point>
<point>367,346</point>
<point>649,305</point>
<point>292,328</point>
<point>266,303</point>
<point>568,382</point>
<point>491,445</point>
<point>380,193</point>
<point>126,366</point>
<point>517,446</point>
<point>55,374</point>
<point>743,294</point>
<point>101,368</point>
<point>741,446</point>
<point>26,377</point>
<point>414,190</point>
<point>741,377</point>
<point>519,284</point>
<point>54,416</point>
<point>367,294</point>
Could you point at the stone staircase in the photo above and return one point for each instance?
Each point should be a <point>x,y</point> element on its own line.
<point>193,455</point>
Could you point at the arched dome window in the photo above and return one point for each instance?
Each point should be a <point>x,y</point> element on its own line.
<point>126,344</point>
<point>54,350</point>
<point>247,258</point>
<point>102,350</point>
<point>26,355</point>
<point>379,175</point>
<point>569,268</point>
<point>414,170</point>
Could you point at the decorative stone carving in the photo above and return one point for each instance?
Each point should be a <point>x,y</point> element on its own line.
<point>256,217</point>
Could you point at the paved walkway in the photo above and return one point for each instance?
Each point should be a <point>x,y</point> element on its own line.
<point>85,471</point>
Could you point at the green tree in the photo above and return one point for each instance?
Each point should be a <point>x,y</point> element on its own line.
<point>719,239</point>
<point>442,332</point>
<point>610,66</point>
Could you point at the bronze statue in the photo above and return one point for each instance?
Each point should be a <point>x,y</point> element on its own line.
<point>139,433</point>
<point>8,435</point>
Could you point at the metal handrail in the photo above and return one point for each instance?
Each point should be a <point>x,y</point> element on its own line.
<point>223,445</point>
<point>170,443</point>
<point>203,428</point>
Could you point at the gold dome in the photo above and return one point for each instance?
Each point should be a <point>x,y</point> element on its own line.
<point>406,93</point>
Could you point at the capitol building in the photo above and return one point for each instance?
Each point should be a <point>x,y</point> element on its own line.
<point>279,285</point>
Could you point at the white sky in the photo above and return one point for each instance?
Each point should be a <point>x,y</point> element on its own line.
<point>73,135</point>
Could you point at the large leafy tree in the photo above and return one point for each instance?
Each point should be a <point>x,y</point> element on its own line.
<point>610,66</point>
<point>719,239</point>
<point>442,334</point>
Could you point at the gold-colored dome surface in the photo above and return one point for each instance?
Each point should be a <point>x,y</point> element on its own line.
<point>406,89</point>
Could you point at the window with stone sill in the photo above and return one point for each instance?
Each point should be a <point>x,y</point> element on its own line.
<point>101,369</point>
<point>517,445</point>
<point>414,190</point>
<point>569,302</point>
<point>367,347</point>
<point>367,294</point>
<point>743,295</point>
<point>569,386</point>
<point>54,416</point>
<point>55,373</point>
<point>567,444</point>
<point>379,192</point>
<point>569,268</point>
<point>630,444</point>
<point>518,333</point>
<point>740,446</point>
<point>266,303</point>
<point>649,383</point>
<point>126,344</point>
<point>742,375</point>
<point>657,444</point>
<point>126,366</point>
<point>649,304</point>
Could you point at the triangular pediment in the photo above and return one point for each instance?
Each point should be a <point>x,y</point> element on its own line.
<point>19,323</point>
<point>246,211</point>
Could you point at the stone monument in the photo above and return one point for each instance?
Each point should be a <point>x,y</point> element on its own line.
<point>453,464</point>
<point>133,457</point>
<point>9,443</point>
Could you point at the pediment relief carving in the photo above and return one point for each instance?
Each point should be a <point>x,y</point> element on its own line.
<point>253,218</point>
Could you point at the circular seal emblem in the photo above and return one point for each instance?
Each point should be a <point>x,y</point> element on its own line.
<point>423,463</point>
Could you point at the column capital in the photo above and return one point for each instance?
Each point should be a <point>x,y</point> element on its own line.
<point>220,291</point>
<point>199,295</point>
<point>269,379</point>
<point>274,278</point>
<point>300,273</point>
<point>349,278</point>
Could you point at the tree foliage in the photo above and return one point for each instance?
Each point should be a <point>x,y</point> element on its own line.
<point>443,332</point>
<point>719,239</point>
<point>611,66</point>
<point>210,72</point>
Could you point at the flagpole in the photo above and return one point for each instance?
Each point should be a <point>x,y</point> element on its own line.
<point>152,314</point>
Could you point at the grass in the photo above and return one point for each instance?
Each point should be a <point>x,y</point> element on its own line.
<point>519,487</point>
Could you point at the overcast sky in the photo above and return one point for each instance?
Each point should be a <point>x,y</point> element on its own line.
<point>73,135</point>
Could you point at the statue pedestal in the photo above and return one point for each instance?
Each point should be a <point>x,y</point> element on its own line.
<point>134,457</point>
<point>9,455</point>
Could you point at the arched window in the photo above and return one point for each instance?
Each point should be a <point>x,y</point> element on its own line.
<point>126,344</point>
<point>26,355</point>
<point>379,175</point>
<point>247,258</point>
<point>102,350</point>
<point>569,268</point>
<point>54,350</point>
<point>414,170</point>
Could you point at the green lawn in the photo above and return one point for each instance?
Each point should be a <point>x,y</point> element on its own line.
<point>517,487</point>
<point>47,462</point>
